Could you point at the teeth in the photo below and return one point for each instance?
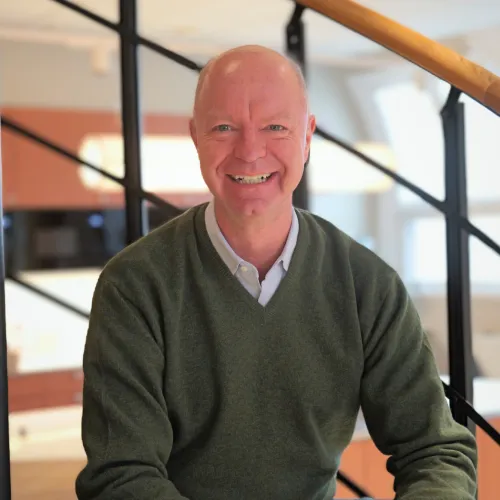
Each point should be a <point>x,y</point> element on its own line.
<point>251,179</point>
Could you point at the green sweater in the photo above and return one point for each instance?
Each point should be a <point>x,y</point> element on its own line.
<point>192,390</point>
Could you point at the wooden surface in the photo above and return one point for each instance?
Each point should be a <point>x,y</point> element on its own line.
<point>47,480</point>
<point>435,58</point>
<point>363,463</point>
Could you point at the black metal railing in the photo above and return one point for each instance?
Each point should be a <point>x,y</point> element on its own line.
<point>457,252</point>
<point>296,49</point>
<point>454,207</point>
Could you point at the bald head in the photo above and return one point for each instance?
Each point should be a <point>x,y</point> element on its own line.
<point>260,60</point>
<point>252,131</point>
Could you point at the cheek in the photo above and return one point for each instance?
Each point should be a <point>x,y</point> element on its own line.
<point>291,156</point>
<point>212,154</point>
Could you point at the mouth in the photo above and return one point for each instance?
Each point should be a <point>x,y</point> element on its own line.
<point>252,179</point>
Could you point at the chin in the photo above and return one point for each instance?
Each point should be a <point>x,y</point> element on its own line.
<point>256,208</point>
<point>252,208</point>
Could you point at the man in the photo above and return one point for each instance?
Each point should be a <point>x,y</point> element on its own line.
<point>230,351</point>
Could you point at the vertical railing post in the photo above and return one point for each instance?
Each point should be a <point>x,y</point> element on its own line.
<point>136,218</point>
<point>5,486</point>
<point>295,48</point>
<point>461,359</point>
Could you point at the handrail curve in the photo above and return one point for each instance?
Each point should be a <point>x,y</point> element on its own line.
<point>443,62</point>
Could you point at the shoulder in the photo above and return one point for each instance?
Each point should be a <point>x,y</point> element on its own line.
<point>367,270</point>
<point>359,274</point>
<point>154,253</point>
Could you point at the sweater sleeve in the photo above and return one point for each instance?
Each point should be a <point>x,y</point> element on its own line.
<point>126,430</point>
<point>406,411</point>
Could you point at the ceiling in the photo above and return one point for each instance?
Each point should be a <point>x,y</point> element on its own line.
<point>201,27</point>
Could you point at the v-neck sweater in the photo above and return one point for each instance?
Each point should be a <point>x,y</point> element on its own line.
<point>193,390</point>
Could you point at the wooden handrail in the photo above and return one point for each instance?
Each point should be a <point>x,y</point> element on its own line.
<point>430,55</point>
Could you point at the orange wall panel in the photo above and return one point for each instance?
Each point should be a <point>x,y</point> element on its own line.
<point>353,465</point>
<point>488,463</point>
<point>35,391</point>
<point>35,177</point>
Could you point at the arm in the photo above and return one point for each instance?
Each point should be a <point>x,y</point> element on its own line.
<point>403,401</point>
<point>125,426</point>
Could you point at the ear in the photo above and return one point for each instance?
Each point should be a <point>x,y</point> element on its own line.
<point>192,131</point>
<point>311,127</point>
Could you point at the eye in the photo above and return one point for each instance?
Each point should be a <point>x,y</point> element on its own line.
<point>276,128</point>
<point>222,128</point>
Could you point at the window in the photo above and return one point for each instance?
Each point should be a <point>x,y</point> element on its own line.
<point>402,108</point>
<point>413,128</point>
<point>426,254</point>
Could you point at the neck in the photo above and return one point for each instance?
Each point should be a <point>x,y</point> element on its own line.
<point>257,240</point>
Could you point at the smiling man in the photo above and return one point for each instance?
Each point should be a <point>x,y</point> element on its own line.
<point>230,351</point>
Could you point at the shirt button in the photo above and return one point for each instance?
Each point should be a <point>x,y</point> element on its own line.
<point>244,269</point>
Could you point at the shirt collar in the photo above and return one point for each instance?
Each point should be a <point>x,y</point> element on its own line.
<point>229,256</point>
<point>291,242</point>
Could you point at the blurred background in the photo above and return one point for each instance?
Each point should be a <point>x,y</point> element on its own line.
<point>60,77</point>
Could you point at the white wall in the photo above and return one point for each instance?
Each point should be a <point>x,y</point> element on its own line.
<point>43,75</point>
<point>332,103</point>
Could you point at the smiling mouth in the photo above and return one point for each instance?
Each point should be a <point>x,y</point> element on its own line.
<point>251,179</point>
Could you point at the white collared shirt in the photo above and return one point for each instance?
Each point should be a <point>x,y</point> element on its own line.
<point>245,272</point>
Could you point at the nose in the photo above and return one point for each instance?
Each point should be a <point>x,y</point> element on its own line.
<point>250,146</point>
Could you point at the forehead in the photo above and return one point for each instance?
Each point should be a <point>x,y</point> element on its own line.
<point>240,84</point>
